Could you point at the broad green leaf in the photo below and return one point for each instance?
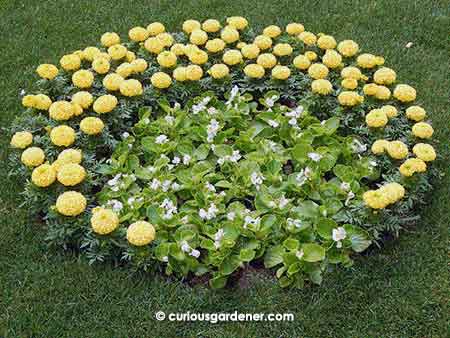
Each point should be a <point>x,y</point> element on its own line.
<point>313,252</point>
<point>273,256</point>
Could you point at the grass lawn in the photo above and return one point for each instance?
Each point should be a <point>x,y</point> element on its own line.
<point>399,291</point>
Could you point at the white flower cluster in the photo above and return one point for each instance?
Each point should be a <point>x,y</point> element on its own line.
<point>295,115</point>
<point>197,108</point>
<point>161,139</point>
<point>185,247</point>
<point>212,129</point>
<point>234,157</point>
<point>294,222</point>
<point>210,213</point>
<point>257,179</point>
<point>338,235</point>
<point>115,205</point>
<point>218,238</point>
<point>170,208</point>
<point>249,220</point>
<point>303,176</point>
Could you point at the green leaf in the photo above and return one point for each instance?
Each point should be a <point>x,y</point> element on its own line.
<point>246,255</point>
<point>273,256</point>
<point>291,244</point>
<point>218,282</point>
<point>359,242</point>
<point>229,265</point>
<point>325,227</point>
<point>313,252</point>
<point>300,151</point>
<point>307,209</point>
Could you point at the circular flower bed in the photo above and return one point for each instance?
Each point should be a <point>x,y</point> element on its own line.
<point>198,152</point>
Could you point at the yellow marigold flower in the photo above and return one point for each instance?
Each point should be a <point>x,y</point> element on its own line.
<point>332,59</point>
<point>382,93</point>
<point>390,111</point>
<point>130,57</point>
<point>101,65</point>
<point>70,156</point>
<point>232,57</point>
<point>348,48</point>
<point>425,152</point>
<point>375,199</point>
<point>117,52</point>
<point>83,78</point>
<point>307,38</point>
<point>392,191</point>
<point>266,60</point>
<point>61,110</point>
<point>349,83</point>
<point>370,89</point>
<point>112,81</point>
<point>194,72</point>
<point>21,139</point>
<point>43,176</point>
<point>326,42</point>
<point>154,45</point>
<point>294,28</point>
<point>376,118</point>
<point>161,80</point>
<point>263,42</point>
<point>198,57</point>
<point>166,39</point>
<point>102,55</point>
<point>198,37</point>
<point>229,34</point>
<point>167,59</point>
<point>79,53</point>
<point>272,31</point>
<point>62,136</point>
<point>379,147</point>
<point>281,72</point>
<point>71,203</point>
<point>379,60</point>
<point>89,53</point>
<point>397,150</point>
<point>301,62</point>
<point>131,87</point>
<point>190,25</point>
<point>110,39</point>
<point>250,51</point>
<point>47,71</point>
<point>384,76</point>
<point>105,103</point>
<point>33,156</point>
<point>237,22</point>
<point>138,34</point>
<point>83,98</point>
<point>411,166</point>
<point>211,26</point>
<point>178,48</point>
<point>219,71</point>
<point>318,71</point>
<point>42,102</point>
<point>416,113</point>
<point>125,69</point>
<point>104,221</point>
<point>215,45</point>
<point>254,71</point>
<point>71,174</point>
<point>351,73</point>
<point>422,130</point>
<point>91,125</point>
<point>70,62</point>
<point>282,49</point>
<point>366,60</point>
<point>28,101</point>
<point>179,74</point>
<point>350,98</point>
<point>155,28</point>
<point>140,233</point>
<point>77,109</point>
<point>322,87</point>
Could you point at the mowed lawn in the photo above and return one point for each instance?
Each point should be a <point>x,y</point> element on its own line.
<point>400,290</point>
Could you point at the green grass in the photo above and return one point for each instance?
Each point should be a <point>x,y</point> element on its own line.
<point>399,291</point>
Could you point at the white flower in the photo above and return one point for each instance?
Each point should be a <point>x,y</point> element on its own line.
<point>115,188</point>
<point>409,45</point>
<point>293,121</point>
<point>338,235</point>
<point>184,219</point>
<point>175,186</point>
<point>303,176</point>
<point>299,254</point>
<point>210,213</point>
<point>161,139</point>
<point>212,130</point>
<point>248,220</point>
<point>358,147</point>
<point>256,179</point>
<point>210,187</point>
<point>116,205</point>
<point>203,213</point>
<point>186,159</point>
<point>315,157</point>
<point>185,246</point>
<point>155,184</point>
<point>350,196</point>
<point>176,160</point>
<point>233,93</point>
<point>283,202</point>
<point>169,119</point>
<point>125,135</point>
<point>294,222</point>
<point>165,259</point>
<point>22,92</point>
<point>231,215</point>
<point>373,163</point>
<point>151,169</point>
<point>166,185</point>
<point>130,200</point>
<point>195,253</point>
<point>114,180</point>
<point>212,111</point>
<point>345,186</point>
<point>146,120</point>
<point>273,124</point>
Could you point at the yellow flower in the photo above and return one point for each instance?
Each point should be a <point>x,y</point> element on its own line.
<point>112,81</point>
<point>110,39</point>
<point>131,87</point>
<point>91,125</point>
<point>101,65</point>
<point>215,45</point>
<point>282,49</point>
<point>281,72</point>
<point>105,103</point>
<point>379,60</point>
<point>294,28</point>
<point>125,70</point>
<point>154,45</point>
<point>416,113</point>
<point>70,62</point>
<point>384,76</point>
<point>351,73</point>
<point>250,51</point>
<point>194,72</point>
<point>190,25</point>
<point>349,83</point>
<point>71,203</point>
<point>382,93</point>
<point>266,60</point>
<point>140,233</point>
<point>411,166</point>
<point>167,59</point>
<point>61,110</point>
<point>301,62</point>
<point>166,39</point>
<point>332,59</point>
<point>178,48</point>
<point>322,87</point>
<point>370,89</point>
<point>33,156</point>
<point>21,139</point>
<point>102,55</point>
<point>397,150</point>
<point>155,28</point>
<point>43,176</point>
<point>62,136</point>
<point>198,37</point>
<point>237,22</point>
<point>348,48</point>
<point>376,118</point>
<point>350,98</point>
<point>311,55</point>
<point>307,38</point>
<point>70,156</point>
<point>161,80</point>
<point>422,130</point>
<point>104,221</point>
<point>211,26</point>
<point>254,71</point>
<point>229,34</point>
<point>366,60</point>
<point>138,34</point>
<point>425,152</point>
<point>83,78</point>
<point>219,71</point>
<point>326,42</point>
<point>404,93</point>
<point>272,31</point>
<point>232,57</point>
<point>179,74</point>
<point>198,57</point>
<point>392,191</point>
<point>84,99</point>
<point>47,71</point>
<point>77,109</point>
<point>379,147</point>
<point>263,42</point>
<point>318,71</point>
<point>29,101</point>
<point>71,174</point>
<point>375,199</point>
<point>117,52</point>
<point>390,111</point>
<point>89,53</point>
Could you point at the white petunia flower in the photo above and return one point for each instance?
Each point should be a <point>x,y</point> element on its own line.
<point>315,157</point>
<point>161,139</point>
<point>186,159</point>
<point>338,235</point>
<point>273,124</point>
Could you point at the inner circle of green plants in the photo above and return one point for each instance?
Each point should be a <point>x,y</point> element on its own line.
<point>199,152</point>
